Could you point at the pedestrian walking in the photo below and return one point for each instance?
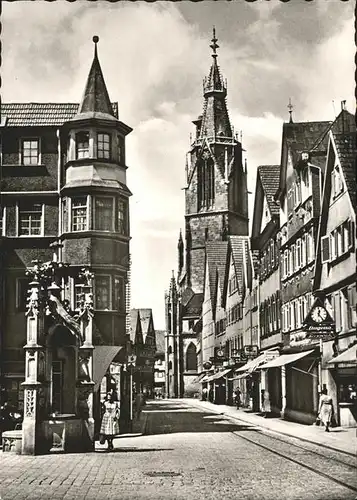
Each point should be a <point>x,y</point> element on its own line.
<point>325,409</point>
<point>110,421</point>
<point>237,395</point>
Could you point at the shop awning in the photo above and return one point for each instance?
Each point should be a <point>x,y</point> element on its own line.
<point>206,378</point>
<point>252,364</point>
<point>103,355</point>
<point>241,376</point>
<point>285,359</point>
<point>221,374</point>
<point>349,356</point>
<point>198,379</point>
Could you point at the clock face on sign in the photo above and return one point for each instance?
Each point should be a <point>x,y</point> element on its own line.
<point>220,353</point>
<point>319,314</point>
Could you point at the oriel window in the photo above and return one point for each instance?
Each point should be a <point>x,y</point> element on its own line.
<point>103,146</point>
<point>103,214</point>
<point>79,213</point>
<point>82,145</point>
<point>30,219</point>
<point>30,151</point>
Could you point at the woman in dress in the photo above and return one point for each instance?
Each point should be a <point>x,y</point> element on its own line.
<point>325,409</point>
<point>110,421</point>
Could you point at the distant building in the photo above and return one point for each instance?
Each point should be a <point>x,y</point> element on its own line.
<point>143,346</point>
<point>159,365</point>
<point>216,206</point>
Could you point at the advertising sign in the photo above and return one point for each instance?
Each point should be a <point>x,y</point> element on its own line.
<point>319,323</point>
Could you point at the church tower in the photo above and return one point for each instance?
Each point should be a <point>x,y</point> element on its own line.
<point>216,198</point>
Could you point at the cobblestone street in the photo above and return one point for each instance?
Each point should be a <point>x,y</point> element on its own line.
<point>186,453</point>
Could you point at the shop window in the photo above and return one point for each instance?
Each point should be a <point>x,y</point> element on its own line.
<point>102,292</point>
<point>30,219</point>
<point>103,146</point>
<point>103,214</point>
<point>348,391</point>
<point>30,152</point>
<point>79,214</point>
<point>82,145</point>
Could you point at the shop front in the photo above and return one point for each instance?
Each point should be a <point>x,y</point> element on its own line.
<point>296,393</point>
<point>344,371</point>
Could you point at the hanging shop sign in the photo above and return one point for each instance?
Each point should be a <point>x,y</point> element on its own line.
<point>251,351</point>
<point>319,324</point>
<point>239,355</point>
<point>219,354</point>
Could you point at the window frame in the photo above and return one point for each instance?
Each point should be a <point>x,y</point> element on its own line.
<point>71,208</point>
<point>103,150</point>
<point>110,292</point>
<point>94,219</point>
<point>115,305</point>
<point>20,210</point>
<point>21,307</point>
<point>77,149</point>
<point>21,151</point>
<point>2,220</point>
<point>125,220</point>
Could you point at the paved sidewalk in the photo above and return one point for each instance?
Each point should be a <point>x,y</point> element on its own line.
<point>341,439</point>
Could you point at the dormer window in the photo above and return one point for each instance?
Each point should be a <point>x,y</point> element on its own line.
<point>30,151</point>
<point>103,146</point>
<point>82,145</point>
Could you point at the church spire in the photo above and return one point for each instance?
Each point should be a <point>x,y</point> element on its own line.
<point>95,97</point>
<point>215,119</point>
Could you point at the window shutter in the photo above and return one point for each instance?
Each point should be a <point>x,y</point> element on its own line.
<point>351,234</point>
<point>325,249</point>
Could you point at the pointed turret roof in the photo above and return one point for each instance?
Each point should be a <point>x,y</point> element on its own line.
<point>95,101</point>
<point>215,119</point>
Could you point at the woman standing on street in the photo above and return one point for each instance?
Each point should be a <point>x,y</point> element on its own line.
<point>110,421</point>
<point>325,409</point>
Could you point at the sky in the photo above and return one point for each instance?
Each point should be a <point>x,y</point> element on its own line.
<point>154,57</point>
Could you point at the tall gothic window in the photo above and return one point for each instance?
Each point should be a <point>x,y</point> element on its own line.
<point>191,357</point>
<point>205,181</point>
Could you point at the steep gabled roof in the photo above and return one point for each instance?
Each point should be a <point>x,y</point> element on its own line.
<point>193,307</point>
<point>216,254</point>
<point>237,244</point>
<point>300,137</point>
<point>269,177</point>
<point>346,150</point>
<point>134,324</point>
<point>44,114</point>
<point>160,341</point>
<point>347,154</point>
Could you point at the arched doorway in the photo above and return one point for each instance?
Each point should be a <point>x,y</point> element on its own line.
<point>191,357</point>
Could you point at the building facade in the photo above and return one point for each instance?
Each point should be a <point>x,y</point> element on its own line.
<point>63,180</point>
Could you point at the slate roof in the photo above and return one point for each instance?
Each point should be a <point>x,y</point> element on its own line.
<point>304,136</point>
<point>216,252</point>
<point>269,176</point>
<point>32,114</point>
<point>347,154</point>
<point>237,246</point>
<point>160,341</point>
<point>133,318</point>
<point>194,305</point>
